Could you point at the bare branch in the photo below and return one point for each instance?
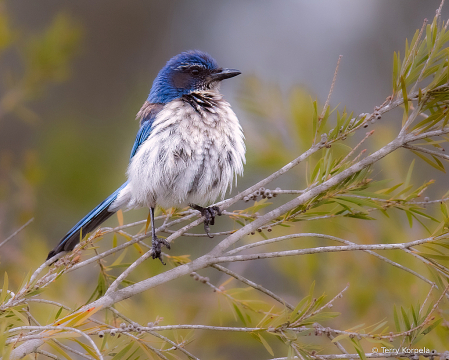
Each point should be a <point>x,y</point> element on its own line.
<point>53,328</point>
<point>334,80</point>
<point>253,285</point>
<point>47,354</point>
<point>329,237</point>
<point>16,232</point>
<point>317,250</point>
<point>383,355</point>
<point>427,151</point>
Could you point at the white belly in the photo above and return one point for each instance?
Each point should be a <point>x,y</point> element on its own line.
<point>190,157</point>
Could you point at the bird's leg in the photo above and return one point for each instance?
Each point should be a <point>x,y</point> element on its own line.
<point>156,243</point>
<point>209,214</point>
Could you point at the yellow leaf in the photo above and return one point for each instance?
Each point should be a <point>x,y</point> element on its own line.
<point>120,217</point>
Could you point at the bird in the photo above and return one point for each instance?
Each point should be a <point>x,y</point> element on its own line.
<point>189,149</point>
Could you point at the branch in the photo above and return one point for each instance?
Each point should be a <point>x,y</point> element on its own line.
<point>376,355</point>
<point>427,151</point>
<point>253,285</point>
<point>16,232</point>
<point>317,250</point>
<point>330,237</point>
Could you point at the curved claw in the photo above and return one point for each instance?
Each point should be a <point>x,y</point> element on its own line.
<point>156,246</point>
<point>209,214</point>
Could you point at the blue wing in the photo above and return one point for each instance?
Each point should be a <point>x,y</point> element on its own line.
<point>149,112</point>
<point>142,135</point>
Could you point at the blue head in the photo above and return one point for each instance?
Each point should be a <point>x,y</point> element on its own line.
<point>186,73</point>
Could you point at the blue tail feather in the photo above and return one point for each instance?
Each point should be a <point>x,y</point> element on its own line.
<point>87,224</point>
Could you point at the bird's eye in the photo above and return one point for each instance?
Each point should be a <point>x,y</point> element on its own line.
<point>195,71</point>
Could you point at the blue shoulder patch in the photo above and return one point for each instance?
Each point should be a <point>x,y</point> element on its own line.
<point>147,116</point>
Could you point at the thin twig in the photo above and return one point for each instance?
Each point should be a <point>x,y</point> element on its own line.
<point>253,285</point>
<point>54,328</point>
<point>128,270</point>
<point>47,354</point>
<point>427,298</point>
<point>368,134</point>
<point>329,303</point>
<point>382,355</point>
<point>330,237</point>
<point>427,151</point>
<point>331,90</point>
<point>401,246</point>
<point>16,232</point>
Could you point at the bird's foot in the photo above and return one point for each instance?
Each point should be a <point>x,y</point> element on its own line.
<point>209,214</point>
<point>156,246</point>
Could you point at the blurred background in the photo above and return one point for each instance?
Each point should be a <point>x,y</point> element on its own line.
<point>66,133</point>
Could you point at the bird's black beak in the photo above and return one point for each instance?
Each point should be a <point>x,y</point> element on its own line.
<point>222,74</point>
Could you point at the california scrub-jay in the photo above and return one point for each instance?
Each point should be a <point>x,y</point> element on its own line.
<point>188,150</point>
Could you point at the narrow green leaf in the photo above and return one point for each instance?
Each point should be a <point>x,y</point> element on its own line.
<point>409,218</point>
<point>132,354</point>
<point>312,288</point>
<point>404,95</point>
<point>61,350</point>
<point>437,279</point>
<point>409,174</point>
<point>443,207</point>
<point>390,190</point>
<point>415,317</point>
<point>266,345</point>
<point>122,353</point>
<point>350,205</point>
<point>239,314</point>
<point>101,285</point>
<point>404,191</point>
<point>358,348</point>
<point>431,327</point>
<point>340,337</point>
<point>429,39</point>
<point>21,317</point>
<point>406,320</point>
<point>440,164</point>
<point>420,213</point>
<point>4,293</point>
<point>290,353</point>
<point>434,256</point>
<point>382,324</point>
<point>427,160</point>
<point>58,313</point>
<point>87,348</point>
<point>301,304</point>
<point>395,72</point>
